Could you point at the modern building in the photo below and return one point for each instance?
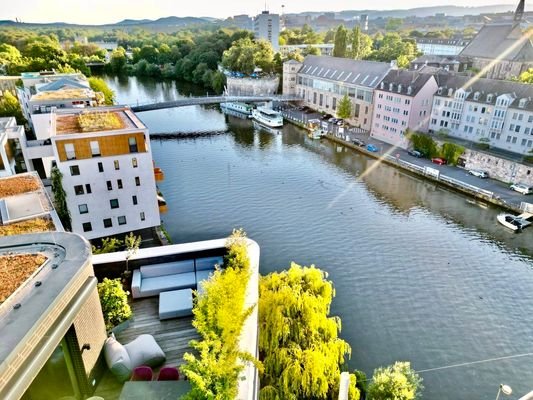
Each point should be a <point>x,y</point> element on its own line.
<point>9,133</point>
<point>266,26</point>
<point>497,112</point>
<point>402,101</point>
<point>41,91</point>
<point>290,76</point>
<point>326,49</point>
<point>441,47</point>
<point>323,81</point>
<point>106,162</point>
<point>51,321</point>
<point>502,50</point>
<point>25,206</point>
<point>242,21</point>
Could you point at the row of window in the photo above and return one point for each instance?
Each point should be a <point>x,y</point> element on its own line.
<point>81,189</point>
<point>75,169</point>
<point>395,99</point>
<point>108,222</point>
<point>84,209</point>
<point>70,150</point>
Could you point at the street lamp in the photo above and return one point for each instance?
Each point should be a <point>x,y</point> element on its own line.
<point>505,389</point>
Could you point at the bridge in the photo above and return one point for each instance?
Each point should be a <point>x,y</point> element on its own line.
<point>193,101</point>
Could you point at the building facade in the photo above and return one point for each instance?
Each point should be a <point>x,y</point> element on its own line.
<point>323,81</point>
<point>290,76</point>
<point>499,113</point>
<point>108,172</point>
<point>402,102</point>
<point>266,26</point>
<point>441,47</point>
<point>326,49</point>
<point>10,132</point>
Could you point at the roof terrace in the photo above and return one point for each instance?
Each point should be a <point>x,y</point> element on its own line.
<point>97,120</point>
<point>66,94</point>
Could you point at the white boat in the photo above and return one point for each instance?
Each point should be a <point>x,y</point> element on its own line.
<point>268,117</point>
<point>239,107</point>
<point>265,128</point>
<point>513,222</point>
<point>316,133</point>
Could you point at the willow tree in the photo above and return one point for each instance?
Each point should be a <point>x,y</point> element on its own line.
<point>299,342</point>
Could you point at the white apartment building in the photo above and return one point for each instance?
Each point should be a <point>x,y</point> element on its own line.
<point>266,26</point>
<point>492,111</point>
<point>106,162</point>
<point>42,91</point>
<point>323,81</point>
<point>10,133</point>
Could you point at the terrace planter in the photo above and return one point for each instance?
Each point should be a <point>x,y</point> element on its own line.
<point>122,326</point>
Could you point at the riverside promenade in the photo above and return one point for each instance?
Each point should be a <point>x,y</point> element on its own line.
<point>488,190</point>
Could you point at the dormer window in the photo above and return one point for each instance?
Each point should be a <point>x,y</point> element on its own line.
<point>476,96</point>
<point>409,90</point>
<point>522,103</point>
<point>390,87</point>
<point>450,92</point>
<point>439,91</point>
<point>489,98</point>
<point>399,88</point>
<point>382,85</point>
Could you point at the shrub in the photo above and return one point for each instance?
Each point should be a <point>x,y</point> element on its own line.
<point>398,381</point>
<point>451,152</point>
<point>424,143</point>
<point>114,301</point>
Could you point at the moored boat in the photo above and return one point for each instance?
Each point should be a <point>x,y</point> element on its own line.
<point>513,222</point>
<point>239,107</point>
<point>268,117</point>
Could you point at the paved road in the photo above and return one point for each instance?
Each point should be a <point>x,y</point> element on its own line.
<point>499,189</point>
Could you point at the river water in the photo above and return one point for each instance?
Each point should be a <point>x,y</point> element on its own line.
<point>421,273</point>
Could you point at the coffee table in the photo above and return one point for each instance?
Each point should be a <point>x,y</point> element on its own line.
<point>175,304</point>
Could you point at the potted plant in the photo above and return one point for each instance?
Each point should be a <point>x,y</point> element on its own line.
<point>115,307</point>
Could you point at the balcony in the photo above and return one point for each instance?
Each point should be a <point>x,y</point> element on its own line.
<point>159,174</point>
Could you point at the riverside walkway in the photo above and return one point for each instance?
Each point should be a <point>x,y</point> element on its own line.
<point>192,101</point>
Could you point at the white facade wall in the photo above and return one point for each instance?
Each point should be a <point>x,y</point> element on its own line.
<point>505,128</point>
<point>98,201</point>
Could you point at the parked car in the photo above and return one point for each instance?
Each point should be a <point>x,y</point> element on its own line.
<point>479,173</point>
<point>438,160</point>
<point>326,117</point>
<point>339,122</point>
<point>415,153</point>
<point>358,142</point>
<point>372,148</point>
<point>332,120</point>
<point>522,188</point>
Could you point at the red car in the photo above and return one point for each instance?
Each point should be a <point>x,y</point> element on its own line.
<point>438,160</point>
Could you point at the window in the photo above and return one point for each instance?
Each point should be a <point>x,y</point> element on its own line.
<point>134,162</point>
<point>119,183</point>
<point>87,227</point>
<point>109,185</point>
<point>74,170</point>
<point>88,188</point>
<point>100,167</point>
<point>122,220</point>
<point>132,142</point>
<point>117,164</point>
<point>142,216</point>
<point>78,189</point>
<point>134,198</point>
<point>137,181</point>
<point>69,151</point>
<point>95,149</point>
<point>83,208</point>
<point>113,203</point>
<point>108,223</point>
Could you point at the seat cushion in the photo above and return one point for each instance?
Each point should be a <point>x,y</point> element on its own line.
<point>208,263</point>
<point>144,350</point>
<point>175,267</point>
<point>174,304</point>
<point>154,286</point>
<point>117,359</point>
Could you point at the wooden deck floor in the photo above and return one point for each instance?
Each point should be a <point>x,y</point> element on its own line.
<point>172,335</point>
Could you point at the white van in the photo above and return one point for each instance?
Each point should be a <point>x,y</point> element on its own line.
<point>522,188</point>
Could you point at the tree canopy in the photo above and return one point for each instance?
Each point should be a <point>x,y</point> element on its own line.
<point>526,76</point>
<point>298,340</point>
<point>10,107</point>
<point>341,42</point>
<point>99,85</point>
<point>344,108</point>
<point>398,381</point>
<point>246,54</point>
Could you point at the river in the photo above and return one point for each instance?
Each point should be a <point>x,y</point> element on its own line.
<point>421,273</point>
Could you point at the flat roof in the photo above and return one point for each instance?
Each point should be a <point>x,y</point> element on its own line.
<point>66,254</point>
<point>65,94</point>
<point>97,119</point>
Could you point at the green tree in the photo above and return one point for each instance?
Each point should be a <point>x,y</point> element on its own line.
<point>298,341</point>
<point>10,107</point>
<point>108,245</point>
<point>451,152</point>
<point>393,24</point>
<point>218,81</point>
<point>341,39</point>
<point>99,85</point>
<point>344,108</point>
<point>423,143</point>
<point>60,198</point>
<point>132,244</point>
<point>398,381</point>
<point>311,50</point>
<point>329,37</point>
<point>118,60</point>
<point>361,44</point>
<point>393,47</point>
<point>245,55</point>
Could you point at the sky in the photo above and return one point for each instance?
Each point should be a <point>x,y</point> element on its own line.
<point>109,11</point>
